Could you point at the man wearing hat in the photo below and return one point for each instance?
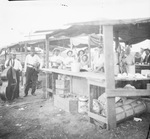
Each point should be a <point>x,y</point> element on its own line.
<point>16,64</point>
<point>32,64</point>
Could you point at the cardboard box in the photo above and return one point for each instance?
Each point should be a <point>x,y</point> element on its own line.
<point>61,91</point>
<point>66,104</point>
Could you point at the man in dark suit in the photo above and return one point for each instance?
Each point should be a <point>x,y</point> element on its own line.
<point>147,57</point>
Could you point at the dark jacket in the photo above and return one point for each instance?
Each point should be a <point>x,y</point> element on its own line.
<point>147,59</point>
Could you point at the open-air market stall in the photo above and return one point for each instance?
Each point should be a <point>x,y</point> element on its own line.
<point>102,86</point>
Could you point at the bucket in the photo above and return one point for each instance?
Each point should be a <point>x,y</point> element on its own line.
<point>75,67</point>
<point>82,105</point>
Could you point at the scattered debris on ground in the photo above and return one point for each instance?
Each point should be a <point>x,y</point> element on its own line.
<point>36,118</point>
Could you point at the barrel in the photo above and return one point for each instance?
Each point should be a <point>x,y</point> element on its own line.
<point>131,109</point>
<point>82,105</point>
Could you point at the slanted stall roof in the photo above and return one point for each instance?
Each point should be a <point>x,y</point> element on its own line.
<point>130,31</point>
<point>113,22</point>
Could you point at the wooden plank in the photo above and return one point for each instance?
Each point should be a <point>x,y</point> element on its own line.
<point>100,83</point>
<point>148,86</point>
<point>109,74</point>
<point>71,85</point>
<point>97,117</point>
<point>127,93</point>
<point>87,75</point>
<point>116,40</point>
<point>89,50</point>
<point>47,65</point>
<point>90,107</point>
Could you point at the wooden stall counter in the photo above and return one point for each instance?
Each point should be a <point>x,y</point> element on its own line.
<point>92,85</point>
<point>98,76</point>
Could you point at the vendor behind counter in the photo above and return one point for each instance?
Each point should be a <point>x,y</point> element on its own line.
<point>56,60</point>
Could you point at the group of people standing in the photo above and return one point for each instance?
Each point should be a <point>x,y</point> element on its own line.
<point>127,58</point>
<point>31,68</point>
<point>87,61</point>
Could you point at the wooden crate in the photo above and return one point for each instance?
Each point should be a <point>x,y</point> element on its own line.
<point>61,91</point>
<point>66,104</point>
<point>62,84</point>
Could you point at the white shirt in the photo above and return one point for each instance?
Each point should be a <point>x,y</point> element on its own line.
<point>56,59</point>
<point>129,59</point>
<point>32,60</point>
<point>68,60</point>
<point>15,62</point>
<point>99,61</point>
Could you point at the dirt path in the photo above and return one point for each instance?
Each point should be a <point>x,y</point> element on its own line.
<point>36,118</point>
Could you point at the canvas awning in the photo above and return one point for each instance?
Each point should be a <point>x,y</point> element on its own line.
<point>130,31</point>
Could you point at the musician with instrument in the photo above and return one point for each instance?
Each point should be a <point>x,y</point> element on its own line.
<point>16,65</point>
<point>32,65</point>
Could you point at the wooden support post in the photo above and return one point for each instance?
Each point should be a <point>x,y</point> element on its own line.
<point>117,49</point>
<point>25,47</point>
<point>71,84</point>
<point>47,66</point>
<point>116,40</point>
<point>23,74</point>
<point>90,93</point>
<point>109,74</point>
<point>89,50</point>
<point>148,86</point>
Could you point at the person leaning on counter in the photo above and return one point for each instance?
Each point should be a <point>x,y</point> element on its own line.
<point>56,60</point>
<point>98,61</point>
<point>138,58</point>
<point>32,65</point>
<point>84,62</point>
<point>69,59</point>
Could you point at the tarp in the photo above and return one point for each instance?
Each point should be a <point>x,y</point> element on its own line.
<point>130,31</point>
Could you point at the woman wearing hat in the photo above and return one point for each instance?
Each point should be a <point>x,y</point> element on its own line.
<point>69,59</point>
<point>80,54</point>
<point>84,62</point>
<point>56,60</point>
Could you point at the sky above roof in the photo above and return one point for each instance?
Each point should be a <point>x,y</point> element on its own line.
<point>19,18</point>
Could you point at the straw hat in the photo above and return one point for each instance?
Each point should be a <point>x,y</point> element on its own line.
<point>69,51</point>
<point>147,49</point>
<point>56,49</point>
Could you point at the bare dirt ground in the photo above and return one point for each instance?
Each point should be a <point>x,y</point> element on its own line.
<point>36,118</point>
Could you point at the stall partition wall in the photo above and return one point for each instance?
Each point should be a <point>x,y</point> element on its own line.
<point>78,86</point>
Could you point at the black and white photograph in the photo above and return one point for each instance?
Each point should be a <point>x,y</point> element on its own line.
<point>74,69</point>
